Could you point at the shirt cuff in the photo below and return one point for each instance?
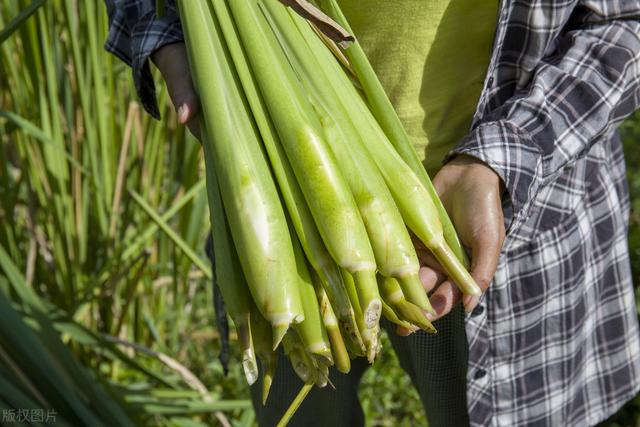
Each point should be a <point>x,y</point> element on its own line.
<point>148,35</point>
<point>511,153</point>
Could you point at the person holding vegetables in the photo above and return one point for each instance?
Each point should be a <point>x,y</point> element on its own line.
<point>513,106</point>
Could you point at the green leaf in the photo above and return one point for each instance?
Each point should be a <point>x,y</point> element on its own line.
<point>15,23</point>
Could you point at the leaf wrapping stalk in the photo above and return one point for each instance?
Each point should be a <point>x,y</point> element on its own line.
<point>311,330</point>
<point>256,218</point>
<point>369,334</point>
<point>300,361</point>
<point>392,317</point>
<point>338,347</point>
<point>228,274</point>
<point>299,212</point>
<point>412,199</point>
<point>405,311</point>
<point>394,251</point>
<point>385,114</point>
<point>323,185</point>
<point>261,331</point>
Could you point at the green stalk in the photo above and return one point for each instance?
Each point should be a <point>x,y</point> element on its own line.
<point>338,347</point>
<point>323,185</point>
<point>386,115</point>
<point>297,207</point>
<point>302,394</point>
<point>356,349</point>
<point>414,202</point>
<point>107,150</point>
<point>369,335</point>
<point>418,210</point>
<point>392,245</point>
<point>179,242</point>
<point>311,330</point>
<point>269,364</point>
<point>143,238</point>
<point>16,22</point>
<point>257,221</point>
<point>228,272</point>
<point>63,247</point>
<point>263,342</point>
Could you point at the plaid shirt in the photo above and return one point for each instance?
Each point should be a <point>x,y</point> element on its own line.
<point>555,339</point>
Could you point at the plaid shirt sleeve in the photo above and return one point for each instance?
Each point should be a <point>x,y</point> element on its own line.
<point>135,32</point>
<point>587,82</point>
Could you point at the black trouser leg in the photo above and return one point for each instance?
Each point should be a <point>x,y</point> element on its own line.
<point>323,407</point>
<point>437,365</point>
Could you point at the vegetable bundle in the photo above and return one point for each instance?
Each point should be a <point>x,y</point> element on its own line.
<point>313,187</point>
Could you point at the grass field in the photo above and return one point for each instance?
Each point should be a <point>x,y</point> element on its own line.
<point>105,290</point>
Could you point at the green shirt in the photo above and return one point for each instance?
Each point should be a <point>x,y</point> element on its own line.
<point>431,57</point>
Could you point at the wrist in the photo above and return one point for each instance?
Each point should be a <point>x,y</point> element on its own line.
<point>479,169</point>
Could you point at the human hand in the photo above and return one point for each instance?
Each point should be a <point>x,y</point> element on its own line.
<point>470,191</point>
<point>172,62</point>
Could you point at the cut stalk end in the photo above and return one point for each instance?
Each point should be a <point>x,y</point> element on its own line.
<point>301,366</point>
<point>249,363</point>
<point>370,337</point>
<point>368,296</point>
<point>372,313</point>
<point>322,377</point>
<point>250,366</point>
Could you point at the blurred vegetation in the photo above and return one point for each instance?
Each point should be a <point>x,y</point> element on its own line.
<point>630,131</point>
<point>103,218</point>
<point>629,415</point>
<point>105,289</point>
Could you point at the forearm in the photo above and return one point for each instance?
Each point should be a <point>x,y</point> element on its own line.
<point>135,33</point>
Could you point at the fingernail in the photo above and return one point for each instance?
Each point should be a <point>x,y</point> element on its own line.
<point>438,303</point>
<point>182,113</point>
<point>470,303</point>
<point>404,332</point>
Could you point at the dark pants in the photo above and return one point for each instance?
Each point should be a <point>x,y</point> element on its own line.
<point>437,365</point>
